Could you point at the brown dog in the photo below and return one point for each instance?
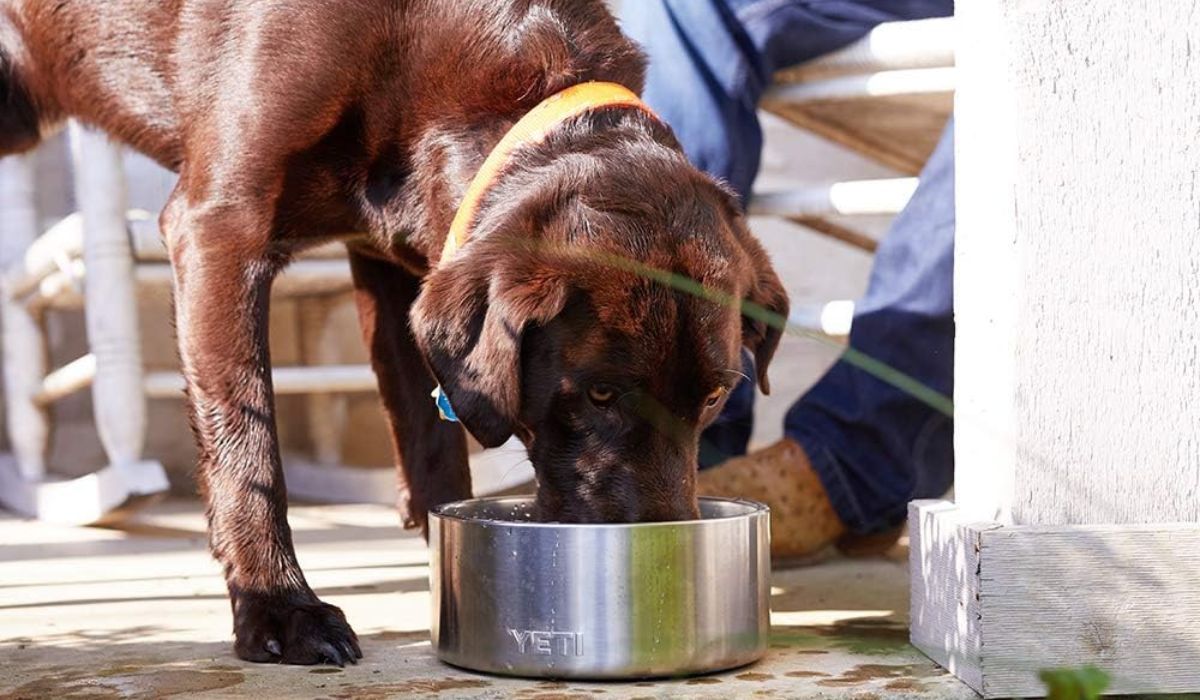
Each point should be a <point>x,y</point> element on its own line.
<point>291,122</point>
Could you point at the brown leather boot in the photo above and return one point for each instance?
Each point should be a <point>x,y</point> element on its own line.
<point>803,521</point>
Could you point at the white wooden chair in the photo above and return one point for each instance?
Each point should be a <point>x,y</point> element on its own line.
<point>101,258</point>
<point>887,97</point>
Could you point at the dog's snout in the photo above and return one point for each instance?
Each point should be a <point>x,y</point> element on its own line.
<point>675,509</point>
<point>637,497</point>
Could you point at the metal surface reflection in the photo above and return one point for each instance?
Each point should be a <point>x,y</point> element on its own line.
<point>518,597</point>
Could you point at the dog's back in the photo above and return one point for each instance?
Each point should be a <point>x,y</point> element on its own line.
<point>147,72</point>
<point>108,63</point>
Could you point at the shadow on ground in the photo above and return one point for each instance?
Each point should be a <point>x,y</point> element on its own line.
<point>852,660</point>
<point>142,613</point>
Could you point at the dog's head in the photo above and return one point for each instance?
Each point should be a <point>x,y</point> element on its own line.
<point>596,314</point>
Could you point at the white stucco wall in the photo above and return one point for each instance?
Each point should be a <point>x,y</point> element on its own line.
<point>1078,273</point>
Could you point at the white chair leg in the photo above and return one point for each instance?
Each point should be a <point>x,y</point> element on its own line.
<point>24,344</point>
<point>110,296</point>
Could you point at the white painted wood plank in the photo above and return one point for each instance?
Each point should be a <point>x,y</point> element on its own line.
<point>148,241</point>
<point>297,279</point>
<point>915,81</point>
<point>847,198</point>
<point>925,43</point>
<point>60,289</point>
<point>62,244</point>
<point>286,380</point>
<point>1121,598</point>
<point>997,604</point>
<point>943,566</point>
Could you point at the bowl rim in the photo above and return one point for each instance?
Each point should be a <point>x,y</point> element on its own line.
<point>755,509</point>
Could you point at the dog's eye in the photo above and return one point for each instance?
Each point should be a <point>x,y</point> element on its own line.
<point>715,397</point>
<point>602,394</point>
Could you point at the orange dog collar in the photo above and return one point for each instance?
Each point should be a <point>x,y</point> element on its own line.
<point>533,128</point>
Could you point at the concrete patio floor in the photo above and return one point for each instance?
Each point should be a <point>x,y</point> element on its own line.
<point>141,612</point>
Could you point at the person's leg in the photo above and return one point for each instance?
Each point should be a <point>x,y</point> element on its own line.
<point>876,446</point>
<point>870,447</point>
<point>857,448</point>
<point>710,62</point>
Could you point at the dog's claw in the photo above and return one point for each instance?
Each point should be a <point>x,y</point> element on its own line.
<point>349,653</point>
<point>273,647</point>
<point>331,654</point>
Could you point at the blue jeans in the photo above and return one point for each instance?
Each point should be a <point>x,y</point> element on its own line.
<point>874,446</point>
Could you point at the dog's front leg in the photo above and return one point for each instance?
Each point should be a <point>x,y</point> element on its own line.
<point>431,454</point>
<point>223,273</point>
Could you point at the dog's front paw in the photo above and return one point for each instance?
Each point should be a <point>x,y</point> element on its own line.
<point>292,629</point>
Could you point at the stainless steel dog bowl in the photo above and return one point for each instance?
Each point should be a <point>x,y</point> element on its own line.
<point>517,597</point>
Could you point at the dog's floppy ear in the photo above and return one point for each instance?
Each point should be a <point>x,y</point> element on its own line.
<point>764,293</point>
<point>766,310</point>
<point>468,322</point>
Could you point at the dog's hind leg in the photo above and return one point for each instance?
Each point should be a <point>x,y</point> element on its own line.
<point>431,454</point>
<point>223,269</point>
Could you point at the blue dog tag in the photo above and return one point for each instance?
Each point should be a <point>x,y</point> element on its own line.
<point>443,404</point>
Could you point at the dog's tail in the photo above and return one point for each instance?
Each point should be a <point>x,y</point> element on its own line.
<point>19,124</point>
